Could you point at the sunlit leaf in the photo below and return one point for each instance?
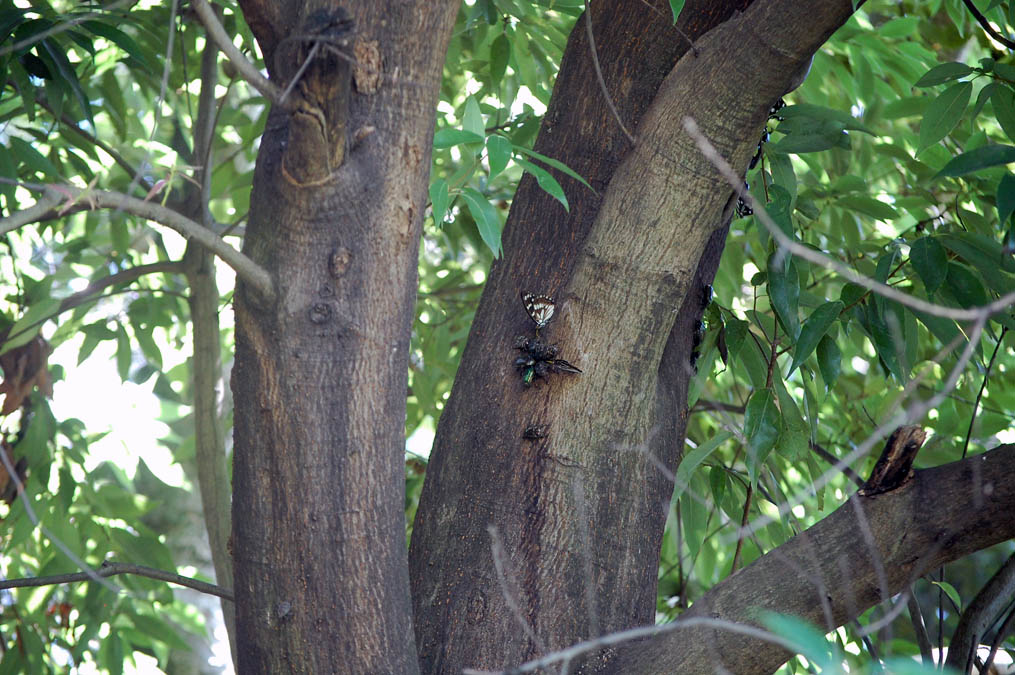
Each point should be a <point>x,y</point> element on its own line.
<point>980,158</point>
<point>945,72</point>
<point>485,215</point>
<point>944,113</point>
<point>813,330</point>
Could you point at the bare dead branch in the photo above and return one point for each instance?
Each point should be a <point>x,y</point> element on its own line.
<point>810,255</point>
<point>245,268</point>
<point>110,568</point>
<point>599,74</point>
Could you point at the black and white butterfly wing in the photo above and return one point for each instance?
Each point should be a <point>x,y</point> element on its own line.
<point>539,307</point>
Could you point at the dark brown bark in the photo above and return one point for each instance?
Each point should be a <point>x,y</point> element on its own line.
<point>579,515</point>
<point>866,552</point>
<point>320,375</point>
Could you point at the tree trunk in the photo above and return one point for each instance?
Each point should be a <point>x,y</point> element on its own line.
<point>520,545</point>
<point>320,375</point>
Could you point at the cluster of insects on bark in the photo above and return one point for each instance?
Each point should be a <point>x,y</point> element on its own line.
<point>743,209</point>
<point>539,359</point>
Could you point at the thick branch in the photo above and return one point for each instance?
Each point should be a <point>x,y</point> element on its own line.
<point>245,268</point>
<point>989,603</point>
<point>835,578</point>
<point>109,569</point>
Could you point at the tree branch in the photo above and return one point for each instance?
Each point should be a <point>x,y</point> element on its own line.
<point>109,569</point>
<point>985,24</point>
<point>810,255</point>
<point>982,612</point>
<point>245,268</point>
<point>835,581</point>
<point>247,69</point>
<point>124,276</point>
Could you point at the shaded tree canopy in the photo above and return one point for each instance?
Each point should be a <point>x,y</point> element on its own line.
<point>470,353</point>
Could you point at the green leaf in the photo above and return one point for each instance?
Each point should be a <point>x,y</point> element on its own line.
<point>121,40</point>
<point>780,208</point>
<point>33,159</point>
<point>24,87</point>
<point>806,639</point>
<point>762,424</point>
<point>1004,109</point>
<point>983,255</point>
<point>944,113</point>
<point>472,120</point>
<point>885,338</point>
<point>555,163</point>
<point>500,54</point>
<point>868,206</point>
<point>982,98</point>
<point>980,158</point>
<point>813,330</point>
<point>784,294</point>
<point>736,331</point>
<point>27,327</point>
<point>931,262</point>
<point>69,76</point>
<point>439,200</point>
<point>945,72</point>
<point>1005,198</point>
<point>809,116</point>
<point>446,138</point>
<point>485,215</point>
<point>9,171</point>
<point>829,360</point>
<point>547,182</point>
<point>676,6</point>
<point>123,352</point>
<point>817,141</point>
<point>691,460</point>
<point>964,286</point>
<point>950,591</point>
<point>498,151</point>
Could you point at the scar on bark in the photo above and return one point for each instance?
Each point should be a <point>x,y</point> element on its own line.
<point>895,465</point>
<point>321,86</point>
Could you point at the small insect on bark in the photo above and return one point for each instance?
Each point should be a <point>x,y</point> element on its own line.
<point>540,308</point>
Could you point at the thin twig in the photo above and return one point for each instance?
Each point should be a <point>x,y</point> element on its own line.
<point>799,250</point>
<point>499,556</point>
<point>19,488</point>
<point>920,628</point>
<point>831,459</point>
<point>247,69</point>
<point>985,24</point>
<point>599,73</point>
<point>743,522</point>
<point>979,394</point>
<point>635,633</point>
<point>97,142</point>
<point>109,569</point>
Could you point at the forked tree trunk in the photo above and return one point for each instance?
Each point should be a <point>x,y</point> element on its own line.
<point>522,545</point>
<point>320,374</point>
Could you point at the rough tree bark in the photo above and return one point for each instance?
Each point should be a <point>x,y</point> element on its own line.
<point>577,517</point>
<point>319,381</point>
<point>320,374</point>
